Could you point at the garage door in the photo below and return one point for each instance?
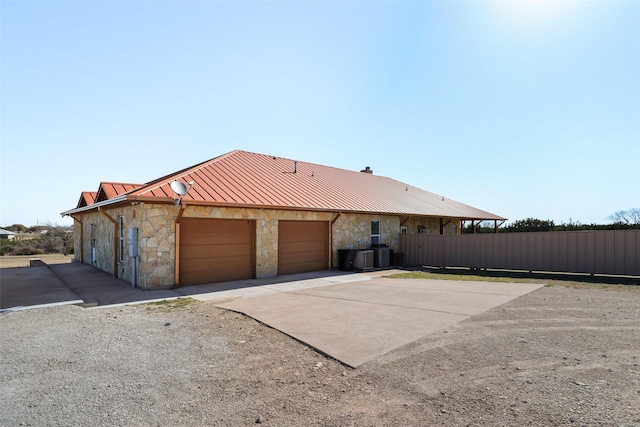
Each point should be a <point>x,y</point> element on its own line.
<point>216,250</point>
<point>302,246</point>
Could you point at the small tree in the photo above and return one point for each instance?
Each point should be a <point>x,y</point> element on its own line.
<point>629,217</point>
<point>17,228</point>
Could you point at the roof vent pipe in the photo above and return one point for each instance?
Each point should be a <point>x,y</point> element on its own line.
<point>367,169</point>
<point>295,167</point>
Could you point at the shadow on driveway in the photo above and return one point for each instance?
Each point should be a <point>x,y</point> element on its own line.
<point>83,284</point>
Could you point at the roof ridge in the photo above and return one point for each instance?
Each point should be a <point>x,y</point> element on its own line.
<point>119,183</point>
<point>310,163</point>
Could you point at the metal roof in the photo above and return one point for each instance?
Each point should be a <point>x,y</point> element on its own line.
<point>250,179</point>
<point>109,190</point>
<point>87,198</point>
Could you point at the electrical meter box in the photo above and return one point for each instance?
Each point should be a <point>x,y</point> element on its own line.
<point>133,242</point>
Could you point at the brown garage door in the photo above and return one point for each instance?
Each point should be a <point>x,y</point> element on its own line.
<point>216,250</point>
<point>302,246</point>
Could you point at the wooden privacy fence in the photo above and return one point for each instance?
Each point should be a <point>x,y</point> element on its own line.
<point>595,252</point>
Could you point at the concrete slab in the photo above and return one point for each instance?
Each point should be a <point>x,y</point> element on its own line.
<point>274,285</point>
<point>83,284</point>
<point>356,322</point>
<point>33,287</point>
<point>97,288</point>
<point>352,317</point>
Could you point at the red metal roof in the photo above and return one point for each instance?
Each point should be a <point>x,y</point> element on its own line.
<point>251,179</point>
<point>87,198</point>
<point>109,190</point>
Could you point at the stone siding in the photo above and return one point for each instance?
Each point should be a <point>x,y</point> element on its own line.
<point>156,243</point>
<point>353,231</point>
<point>157,236</point>
<point>103,238</point>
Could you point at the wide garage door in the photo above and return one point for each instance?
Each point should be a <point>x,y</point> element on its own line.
<point>302,246</point>
<point>216,250</point>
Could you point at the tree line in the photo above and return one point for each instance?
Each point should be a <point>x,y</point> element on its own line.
<point>622,220</point>
<point>37,240</point>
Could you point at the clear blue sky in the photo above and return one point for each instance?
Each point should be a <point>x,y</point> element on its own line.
<point>523,109</point>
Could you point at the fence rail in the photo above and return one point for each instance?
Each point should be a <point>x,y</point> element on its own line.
<point>595,252</point>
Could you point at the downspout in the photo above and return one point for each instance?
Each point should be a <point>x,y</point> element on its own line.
<point>176,275</point>
<point>333,221</point>
<point>115,240</point>
<point>81,238</point>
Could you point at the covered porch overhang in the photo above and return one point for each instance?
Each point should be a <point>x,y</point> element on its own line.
<point>475,223</point>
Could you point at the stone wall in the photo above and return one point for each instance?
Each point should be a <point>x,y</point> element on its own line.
<point>353,231</point>
<point>157,236</point>
<point>156,243</point>
<point>348,231</point>
<point>99,227</point>
<point>104,230</point>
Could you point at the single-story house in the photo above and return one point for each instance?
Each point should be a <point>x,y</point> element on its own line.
<point>245,215</point>
<point>6,234</point>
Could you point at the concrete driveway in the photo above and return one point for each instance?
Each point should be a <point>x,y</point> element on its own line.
<point>352,317</point>
<point>358,321</point>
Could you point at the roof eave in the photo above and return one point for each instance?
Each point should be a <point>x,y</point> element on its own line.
<point>123,198</point>
<point>93,206</point>
<point>328,209</point>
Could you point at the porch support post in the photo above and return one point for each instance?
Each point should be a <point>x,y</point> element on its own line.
<point>443,224</point>
<point>115,240</point>
<point>331,257</point>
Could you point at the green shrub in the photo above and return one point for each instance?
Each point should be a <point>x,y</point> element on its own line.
<point>54,240</point>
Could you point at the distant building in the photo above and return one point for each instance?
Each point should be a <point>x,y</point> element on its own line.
<point>6,234</point>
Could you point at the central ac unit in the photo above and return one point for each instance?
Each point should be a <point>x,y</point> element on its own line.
<point>363,260</point>
<point>382,257</point>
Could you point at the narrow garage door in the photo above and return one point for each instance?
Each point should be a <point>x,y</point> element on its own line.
<point>216,250</point>
<point>302,246</point>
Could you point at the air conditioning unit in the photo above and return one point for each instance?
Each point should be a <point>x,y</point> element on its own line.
<point>382,257</point>
<point>363,260</point>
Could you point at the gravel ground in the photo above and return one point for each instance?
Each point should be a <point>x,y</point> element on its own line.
<point>558,356</point>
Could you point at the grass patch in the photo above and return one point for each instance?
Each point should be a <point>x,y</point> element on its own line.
<point>170,304</point>
<point>453,276</point>
<point>548,280</point>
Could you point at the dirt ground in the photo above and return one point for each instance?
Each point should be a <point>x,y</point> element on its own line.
<point>558,356</point>
<point>10,261</point>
